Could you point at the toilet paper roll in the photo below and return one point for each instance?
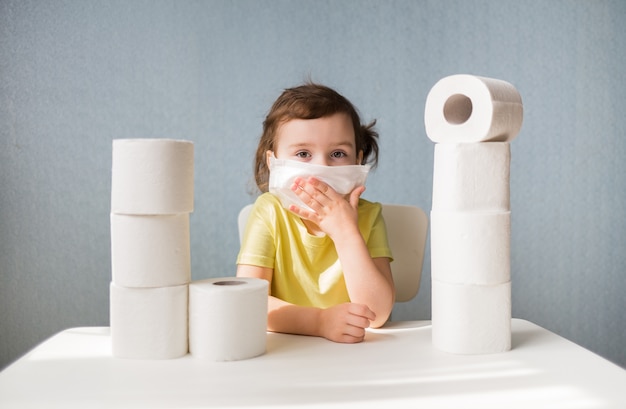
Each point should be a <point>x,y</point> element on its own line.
<point>471,319</point>
<point>471,248</point>
<point>466,108</point>
<point>152,176</point>
<point>149,323</point>
<point>228,318</point>
<point>150,251</point>
<point>472,177</point>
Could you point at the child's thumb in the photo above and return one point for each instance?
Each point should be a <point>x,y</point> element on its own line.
<point>355,195</point>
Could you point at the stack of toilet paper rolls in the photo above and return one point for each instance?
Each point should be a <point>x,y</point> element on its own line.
<point>472,121</point>
<point>151,199</point>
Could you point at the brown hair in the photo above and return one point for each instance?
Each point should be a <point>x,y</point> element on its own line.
<point>311,101</point>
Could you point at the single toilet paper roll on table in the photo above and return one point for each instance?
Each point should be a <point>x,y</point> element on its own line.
<point>228,318</point>
<point>465,108</point>
<point>471,319</point>
<point>150,251</point>
<point>472,176</point>
<point>152,176</point>
<point>471,248</point>
<point>149,323</point>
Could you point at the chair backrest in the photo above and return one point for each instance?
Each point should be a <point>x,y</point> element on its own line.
<point>407,228</point>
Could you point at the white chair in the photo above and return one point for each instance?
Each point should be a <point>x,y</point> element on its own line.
<point>407,227</point>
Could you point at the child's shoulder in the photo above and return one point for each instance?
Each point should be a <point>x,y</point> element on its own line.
<point>369,209</point>
<point>267,198</point>
<point>367,205</point>
<point>268,205</point>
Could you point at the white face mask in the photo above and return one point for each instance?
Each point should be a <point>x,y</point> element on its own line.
<point>283,172</point>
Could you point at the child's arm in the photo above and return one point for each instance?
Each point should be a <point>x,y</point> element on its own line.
<point>369,281</point>
<point>342,323</point>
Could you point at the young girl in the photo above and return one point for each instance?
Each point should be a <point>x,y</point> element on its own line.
<point>327,260</point>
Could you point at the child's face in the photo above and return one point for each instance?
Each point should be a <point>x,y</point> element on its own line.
<point>327,141</point>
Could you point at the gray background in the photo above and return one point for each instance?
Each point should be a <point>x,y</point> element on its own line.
<point>74,75</point>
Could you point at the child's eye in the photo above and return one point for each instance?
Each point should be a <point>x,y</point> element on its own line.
<point>303,154</point>
<point>338,155</point>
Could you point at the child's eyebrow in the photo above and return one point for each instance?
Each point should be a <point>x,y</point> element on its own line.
<point>347,144</point>
<point>299,145</point>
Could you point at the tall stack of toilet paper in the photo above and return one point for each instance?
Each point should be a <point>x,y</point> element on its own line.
<point>151,199</point>
<point>472,121</point>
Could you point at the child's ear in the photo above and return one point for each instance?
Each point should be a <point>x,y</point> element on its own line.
<point>268,155</point>
<point>360,158</point>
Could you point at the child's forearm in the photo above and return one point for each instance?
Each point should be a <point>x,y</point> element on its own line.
<point>344,323</point>
<point>368,282</point>
<point>292,319</point>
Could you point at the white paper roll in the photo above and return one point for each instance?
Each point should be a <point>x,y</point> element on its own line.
<point>471,319</point>
<point>470,248</point>
<point>150,251</point>
<point>228,318</point>
<point>466,108</point>
<point>149,323</point>
<point>472,177</point>
<point>152,176</point>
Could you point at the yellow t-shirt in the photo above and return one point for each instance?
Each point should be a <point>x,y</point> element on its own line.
<point>307,270</point>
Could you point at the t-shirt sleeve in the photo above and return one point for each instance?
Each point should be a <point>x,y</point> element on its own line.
<point>257,247</point>
<point>377,242</point>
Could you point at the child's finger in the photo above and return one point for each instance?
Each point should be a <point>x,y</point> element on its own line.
<point>362,310</point>
<point>355,195</point>
<point>305,214</point>
<point>324,188</point>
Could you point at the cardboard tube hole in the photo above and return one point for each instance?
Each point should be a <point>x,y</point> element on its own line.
<point>230,282</point>
<point>457,109</point>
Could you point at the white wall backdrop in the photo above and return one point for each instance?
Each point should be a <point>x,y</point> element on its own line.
<point>74,75</point>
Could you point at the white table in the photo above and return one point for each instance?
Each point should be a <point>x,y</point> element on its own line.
<point>396,367</point>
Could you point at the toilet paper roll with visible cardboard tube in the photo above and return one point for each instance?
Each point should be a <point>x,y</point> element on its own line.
<point>149,323</point>
<point>465,108</point>
<point>228,318</point>
<point>470,248</point>
<point>150,251</point>
<point>152,176</point>
<point>472,176</point>
<point>471,319</point>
